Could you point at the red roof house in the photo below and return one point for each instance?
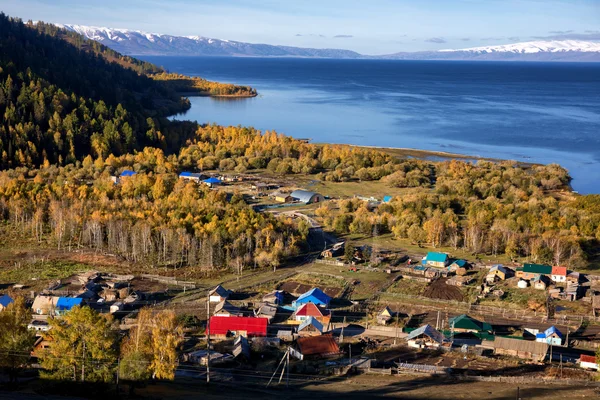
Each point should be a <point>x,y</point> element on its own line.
<point>320,346</point>
<point>559,274</point>
<point>308,310</point>
<point>245,326</point>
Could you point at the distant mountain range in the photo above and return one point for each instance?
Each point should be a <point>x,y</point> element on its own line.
<point>141,43</point>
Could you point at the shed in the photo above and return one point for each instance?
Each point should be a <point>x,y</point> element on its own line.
<point>522,284</point>
<point>275,297</point>
<point>226,309</point>
<point>306,197</point>
<point>588,362</point>
<point>5,300</point>
<point>385,316</point>
<point>525,349</point>
<point>435,259</point>
<point>387,199</point>
<point>66,304</point>
<point>497,272</point>
<point>464,323</point>
<point>318,346</point>
<point>218,294</point>
<point>283,198</point>
<point>268,311</point>
<point>241,347</point>
<point>310,327</point>
<point>315,296</point>
<point>234,326</point>
<point>540,282</point>
<point>212,181</point>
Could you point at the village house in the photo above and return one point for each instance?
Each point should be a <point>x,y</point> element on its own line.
<point>226,309</point>
<point>310,310</point>
<point>551,336</point>
<point>201,357</point>
<point>497,273</point>
<point>588,362</point>
<point>268,311</point>
<point>337,250</point>
<point>282,197</point>
<point>5,300</point>
<point>235,326</point>
<point>456,265</point>
<point>191,176</point>
<point>437,260</point>
<point>426,337</point>
<point>66,304</point>
<point>464,323</point>
<point>116,307</point>
<point>530,271</point>
<point>218,294</point>
<point>573,277</point>
<point>38,326</point>
<point>40,346</point>
<point>315,296</point>
<point>44,305</point>
<point>310,327</point>
<point>385,316</point>
<point>559,274</point>
<point>307,197</point>
<point>317,346</point>
<point>526,349</point>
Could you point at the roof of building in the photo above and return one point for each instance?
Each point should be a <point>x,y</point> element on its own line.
<point>277,295</point>
<point>212,180</point>
<point>323,345</point>
<point>551,331</point>
<point>5,300</point>
<point>226,307</point>
<point>303,195</point>
<point>465,322</point>
<point>42,301</point>
<point>586,358</point>
<point>187,174</point>
<point>269,310</point>
<point>67,303</point>
<point>460,263</point>
<point>558,270</point>
<point>386,312</point>
<point>220,291</point>
<point>436,257</point>
<point>314,293</point>
<point>537,268</point>
<point>429,331</point>
<point>310,321</point>
<point>498,267</point>
<point>387,199</point>
<point>128,172</point>
<point>529,346</point>
<point>309,310</point>
<point>253,326</point>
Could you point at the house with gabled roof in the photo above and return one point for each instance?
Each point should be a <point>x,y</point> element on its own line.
<point>426,337</point>
<point>588,362</point>
<point>464,323</point>
<point>435,259</point>
<point>310,327</point>
<point>234,326</point>
<point>315,296</point>
<point>526,349</point>
<point>551,336</point>
<point>559,274</point>
<point>385,316</point>
<point>309,310</point>
<point>44,305</point>
<point>317,346</point>
<point>530,271</point>
<point>275,297</point>
<point>218,294</point>
<point>226,309</point>
<point>5,300</point>
<point>66,304</point>
<point>191,176</point>
<point>497,273</point>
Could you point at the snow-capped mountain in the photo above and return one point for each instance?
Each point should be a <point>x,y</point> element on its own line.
<point>553,46</point>
<point>132,42</point>
<point>142,43</point>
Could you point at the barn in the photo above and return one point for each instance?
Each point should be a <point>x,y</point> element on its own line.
<point>306,197</point>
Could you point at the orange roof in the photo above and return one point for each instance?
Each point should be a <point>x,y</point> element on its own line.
<point>309,310</point>
<point>559,271</point>
<point>318,345</point>
<point>585,358</point>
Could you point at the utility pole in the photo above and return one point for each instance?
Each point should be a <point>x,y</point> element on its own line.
<point>208,339</point>
<point>350,353</point>
<point>83,364</point>
<point>118,368</point>
<point>285,356</point>
<point>396,333</point>
<point>518,393</point>
<point>287,370</point>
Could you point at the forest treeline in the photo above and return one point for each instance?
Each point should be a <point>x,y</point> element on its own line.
<point>484,208</point>
<point>187,84</point>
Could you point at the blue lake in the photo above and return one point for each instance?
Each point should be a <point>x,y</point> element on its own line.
<point>537,112</point>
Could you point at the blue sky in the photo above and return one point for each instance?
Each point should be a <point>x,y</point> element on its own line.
<point>370,27</point>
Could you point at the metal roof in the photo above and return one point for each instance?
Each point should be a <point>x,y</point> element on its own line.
<point>67,303</point>
<point>303,195</point>
<point>309,310</point>
<point>537,269</point>
<point>498,267</point>
<point>436,257</point>
<point>553,330</point>
<point>518,345</point>
<point>219,290</point>
<point>429,331</point>
<point>253,326</point>
<point>5,300</point>
<point>311,321</point>
<point>465,322</point>
<point>318,345</point>
<point>557,270</point>
<point>212,180</point>
<point>314,294</point>
<point>128,172</point>
<point>187,174</point>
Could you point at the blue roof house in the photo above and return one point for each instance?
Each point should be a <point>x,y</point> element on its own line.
<point>66,304</point>
<point>387,199</point>
<point>551,336</point>
<point>128,172</point>
<point>315,296</point>
<point>212,181</point>
<point>5,301</point>
<point>438,260</point>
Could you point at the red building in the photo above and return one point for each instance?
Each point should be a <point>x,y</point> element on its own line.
<point>234,326</point>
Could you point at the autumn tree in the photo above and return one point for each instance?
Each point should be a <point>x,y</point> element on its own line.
<point>16,341</point>
<point>83,347</point>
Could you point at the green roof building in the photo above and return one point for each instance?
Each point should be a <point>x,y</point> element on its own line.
<point>464,323</point>
<point>537,269</point>
<point>434,259</point>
